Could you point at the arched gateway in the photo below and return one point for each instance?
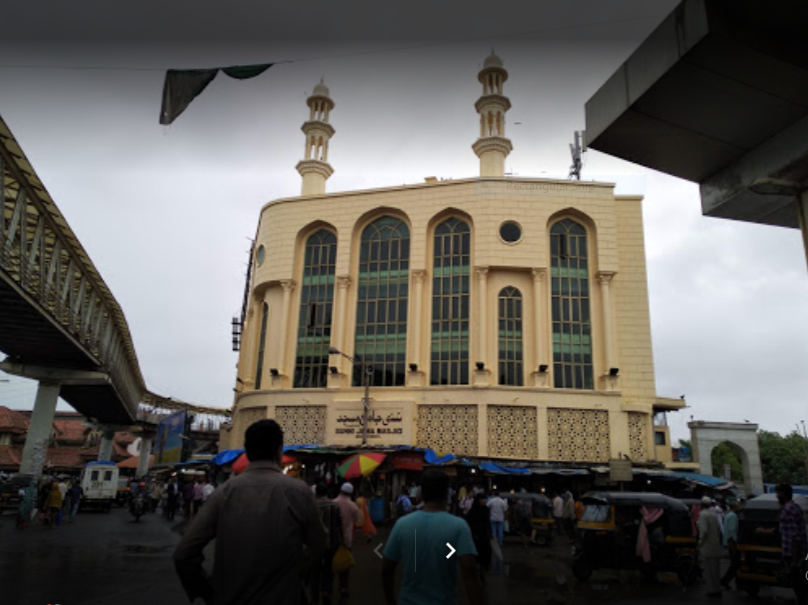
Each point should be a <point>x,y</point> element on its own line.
<point>741,437</point>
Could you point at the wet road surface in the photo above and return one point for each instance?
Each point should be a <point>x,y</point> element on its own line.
<point>106,559</point>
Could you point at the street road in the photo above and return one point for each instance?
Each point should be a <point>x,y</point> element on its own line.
<point>106,559</point>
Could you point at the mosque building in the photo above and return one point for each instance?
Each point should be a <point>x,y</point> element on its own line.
<point>495,317</point>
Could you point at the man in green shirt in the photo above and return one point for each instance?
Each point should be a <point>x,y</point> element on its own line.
<point>419,542</point>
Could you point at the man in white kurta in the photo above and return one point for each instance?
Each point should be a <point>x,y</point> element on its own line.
<point>710,547</point>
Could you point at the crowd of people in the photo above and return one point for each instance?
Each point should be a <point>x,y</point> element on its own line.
<point>187,494</point>
<point>263,507</point>
<point>716,525</point>
<point>50,501</point>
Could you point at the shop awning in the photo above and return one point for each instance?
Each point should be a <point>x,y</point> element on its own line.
<point>226,457</point>
<point>497,469</point>
<point>567,472</point>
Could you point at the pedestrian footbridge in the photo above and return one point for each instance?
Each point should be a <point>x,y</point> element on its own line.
<point>59,322</point>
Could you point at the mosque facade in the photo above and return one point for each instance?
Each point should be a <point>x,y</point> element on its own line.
<point>492,317</point>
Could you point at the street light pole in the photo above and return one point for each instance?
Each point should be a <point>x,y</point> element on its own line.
<point>366,371</point>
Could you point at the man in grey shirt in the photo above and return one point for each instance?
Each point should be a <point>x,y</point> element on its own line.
<point>261,520</point>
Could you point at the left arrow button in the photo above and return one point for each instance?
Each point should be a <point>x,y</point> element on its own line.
<point>376,550</point>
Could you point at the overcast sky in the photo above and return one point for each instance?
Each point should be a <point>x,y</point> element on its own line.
<point>166,213</point>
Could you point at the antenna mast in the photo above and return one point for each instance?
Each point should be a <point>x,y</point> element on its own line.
<point>577,149</point>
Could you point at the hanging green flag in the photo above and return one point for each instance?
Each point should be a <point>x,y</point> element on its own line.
<point>183,85</point>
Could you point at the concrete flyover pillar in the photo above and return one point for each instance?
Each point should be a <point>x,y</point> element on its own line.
<point>39,430</point>
<point>105,451</point>
<point>145,452</point>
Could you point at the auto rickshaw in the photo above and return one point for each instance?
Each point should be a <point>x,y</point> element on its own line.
<point>759,543</point>
<point>609,530</point>
<point>542,514</point>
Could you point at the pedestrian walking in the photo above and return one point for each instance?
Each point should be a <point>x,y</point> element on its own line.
<point>172,498</point>
<point>467,502</point>
<point>558,512</point>
<point>321,578</point>
<point>568,514</point>
<point>27,508</point>
<point>76,493</point>
<point>498,507</point>
<point>365,523</point>
<point>710,547</point>
<point>261,520</point>
<point>350,516</point>
<point>479,521</point>
<point>55,505</point>
<point>730,541</point>
<point>418,543</point>
<point>199,495</point>
<point>794,541</point>
<point>403,504</point>
<point>207,489</point>
<point>188,498</point>
<point>155,495</point>
<point>523,515</point>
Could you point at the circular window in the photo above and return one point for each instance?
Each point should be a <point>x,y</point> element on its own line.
<point>510,232</point>
<point>259,257</point>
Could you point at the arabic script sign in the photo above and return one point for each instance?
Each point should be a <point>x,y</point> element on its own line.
<point>385,425</point>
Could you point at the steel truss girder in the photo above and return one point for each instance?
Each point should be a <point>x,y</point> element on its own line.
<point>40,253</point>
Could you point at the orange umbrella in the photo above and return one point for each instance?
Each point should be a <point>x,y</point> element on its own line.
<point>242,461</point>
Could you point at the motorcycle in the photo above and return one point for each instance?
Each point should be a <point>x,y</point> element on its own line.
<point>137,506</point>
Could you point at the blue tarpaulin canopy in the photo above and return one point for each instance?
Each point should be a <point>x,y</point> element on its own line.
<point>431,457</point>
<point>490,467</point>
<point>226,457</point>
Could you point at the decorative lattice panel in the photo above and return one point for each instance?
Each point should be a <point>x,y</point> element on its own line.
<point>248,417</point>
<point>578,435</point>
<point>638,436</point>
<point>448,429</point>
<point>512,431</point>
<point>302,425</point>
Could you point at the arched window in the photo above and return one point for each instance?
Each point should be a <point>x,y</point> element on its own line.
<point>316,303</point>
<point>259,366</point>
<point>450,303</point>
<point>381,308</point>
<point>510,337</point>
<point>572,327</point>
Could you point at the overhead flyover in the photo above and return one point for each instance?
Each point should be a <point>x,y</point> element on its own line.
<point>718,95</point>
<point>59,322</point>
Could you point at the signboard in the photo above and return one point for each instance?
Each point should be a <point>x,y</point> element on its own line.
<point>620,470</point>
<point>408,461</point>
<point>382,424</point>
<point>170,431</point>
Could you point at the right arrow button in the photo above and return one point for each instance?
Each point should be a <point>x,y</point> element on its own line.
<point>451,549</point>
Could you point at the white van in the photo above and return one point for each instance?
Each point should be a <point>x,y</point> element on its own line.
<point>99,480</point>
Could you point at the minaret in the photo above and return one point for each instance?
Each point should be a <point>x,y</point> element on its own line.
<point>492,147</point>
<point>314,168</point>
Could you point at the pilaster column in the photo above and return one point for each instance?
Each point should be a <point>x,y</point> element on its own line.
<point>341,316</point>
<point>610,359</point>
<point>248,350</point>
<point>418,277</point>
<point>540,330</point>
<point>288,286</point>
<point>482,350</point>
<point>39,429</point>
